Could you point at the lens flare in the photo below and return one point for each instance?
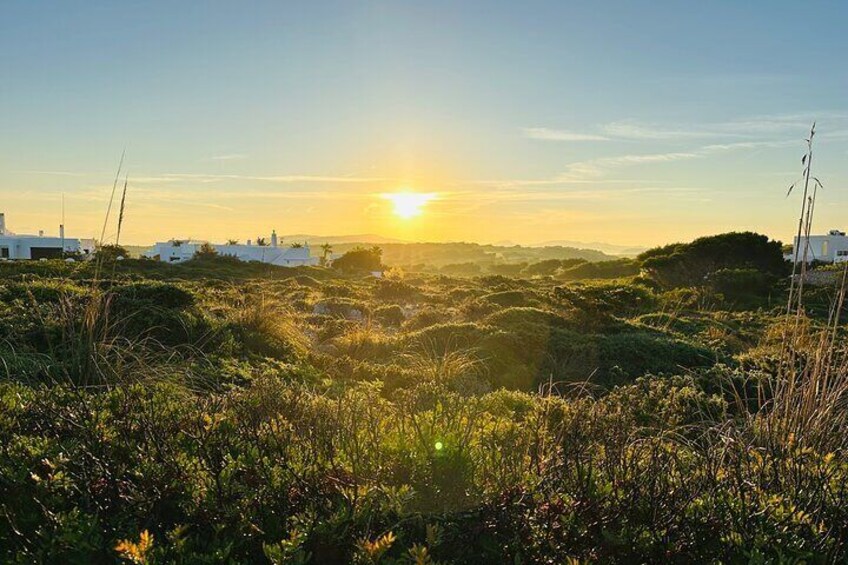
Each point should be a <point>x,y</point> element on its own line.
<point>409,204</point>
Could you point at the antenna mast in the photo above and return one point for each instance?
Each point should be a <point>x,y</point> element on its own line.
<point>62,225</point>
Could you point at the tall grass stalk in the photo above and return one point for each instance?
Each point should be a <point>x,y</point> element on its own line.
<point>808,396</point>
<point>99,262</point>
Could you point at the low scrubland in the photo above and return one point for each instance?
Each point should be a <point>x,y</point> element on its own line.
<point>653,409</point>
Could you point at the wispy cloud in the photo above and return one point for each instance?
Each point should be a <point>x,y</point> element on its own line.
<point>548,134</point>
<point>634,130</point>
<point>212,177</point>
<point>594,171</point>
<point>741,128</point>
<point>547,195</point>
<point>283,179</point>
<point>58,173</point>
<point>718,147</point>
<point>229,157</point>
<point>598,167</point>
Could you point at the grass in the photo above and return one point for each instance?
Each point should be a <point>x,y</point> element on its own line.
<point>207,413</point>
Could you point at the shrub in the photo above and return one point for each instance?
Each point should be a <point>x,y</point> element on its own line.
<point>360,259</point>
<point>509,298</point>
<point>206,250</point>
<point>165,295</point>
<point>40,291</point>
<point>341,307</point>
<point>600,270</point>
<point>426,317</point>
<point>462,269</point>
<point>749,285</point>
<point>249,432</point>
<point>390,315</point>
<point>386,289</point>
<point>542,268</point>
<point>690,264</point>
<point>110,252</point>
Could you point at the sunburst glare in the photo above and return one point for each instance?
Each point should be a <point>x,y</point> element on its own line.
<point>407,204</point>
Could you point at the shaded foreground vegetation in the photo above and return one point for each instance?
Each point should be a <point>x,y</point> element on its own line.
<point>221,412</point>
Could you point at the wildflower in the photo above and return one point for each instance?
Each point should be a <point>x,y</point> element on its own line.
<point>136,552</point>
<point>377,548</point>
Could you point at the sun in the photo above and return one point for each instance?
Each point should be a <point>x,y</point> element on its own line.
<point>408,204</point>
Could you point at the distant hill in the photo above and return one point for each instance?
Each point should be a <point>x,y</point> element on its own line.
<point>441,254</point>
<point>367,238</point>
<point>399,253</point>
<point>610,248</point>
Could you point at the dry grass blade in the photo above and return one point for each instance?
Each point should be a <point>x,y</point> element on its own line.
<point>442,363</point>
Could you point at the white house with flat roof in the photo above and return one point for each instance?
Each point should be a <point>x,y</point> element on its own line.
<point>17,246</point>
<point>177,251</point>
<point>830,248</point>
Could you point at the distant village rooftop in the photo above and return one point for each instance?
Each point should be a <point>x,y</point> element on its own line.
<point>178,251</point>
<point>830,248</point>
<point>18,246</point>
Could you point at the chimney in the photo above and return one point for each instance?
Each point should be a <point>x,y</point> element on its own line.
<point>2,223</point>
<point>40,233</point>
<point>62,231</point>
<point>248,242</point>
<point>273,238</point>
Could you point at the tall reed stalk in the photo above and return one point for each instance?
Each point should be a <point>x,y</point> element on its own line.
<point>808,396</point>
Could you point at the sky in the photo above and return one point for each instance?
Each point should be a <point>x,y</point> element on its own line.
<point>632,123</point>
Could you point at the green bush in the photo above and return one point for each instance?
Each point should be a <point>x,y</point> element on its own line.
<point>748,285</point>
<point>390,315</point>
<point>209,413</point>
<point>508,298</point>
<point>41,291</point>
<point>360,260</point>
<point>614,269</point>
<point>386,289</point>
<point>689,264</point>
<point>164,295</point>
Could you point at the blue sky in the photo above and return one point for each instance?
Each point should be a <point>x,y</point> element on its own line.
<point>632,123</point>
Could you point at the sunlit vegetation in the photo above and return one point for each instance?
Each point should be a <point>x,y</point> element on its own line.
<point>619,412</point>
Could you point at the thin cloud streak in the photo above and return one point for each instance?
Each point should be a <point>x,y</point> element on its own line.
<point>229,157</point>
<point>212,177</point>
<point>593,170</point>
<point>283,179</point>
<point>633,130</point>
<point>548,134</point>
<point>636,130</point>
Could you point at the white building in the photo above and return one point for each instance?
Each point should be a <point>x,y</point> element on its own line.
<point>830,248</point>
<point>177,251</point>
<point>16,246</point>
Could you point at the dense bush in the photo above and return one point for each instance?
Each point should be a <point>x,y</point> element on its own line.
<point>273,471</point>
<point>391,315</point>
<point>600,270</point>
<point>209,412</point>
<point>462,269</point>
<point>360,259</point>
<point>160,294</point>
<point>111,252</point>
<point>689,264</point>
<point>748,285</point>
<point>507,298</point>
<point>387,289</point>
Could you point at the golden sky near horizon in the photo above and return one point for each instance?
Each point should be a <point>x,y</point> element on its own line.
<point>220,206</point>
<point>562,122</point>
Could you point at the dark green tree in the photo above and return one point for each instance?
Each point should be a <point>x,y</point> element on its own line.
<point>360,259</point>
